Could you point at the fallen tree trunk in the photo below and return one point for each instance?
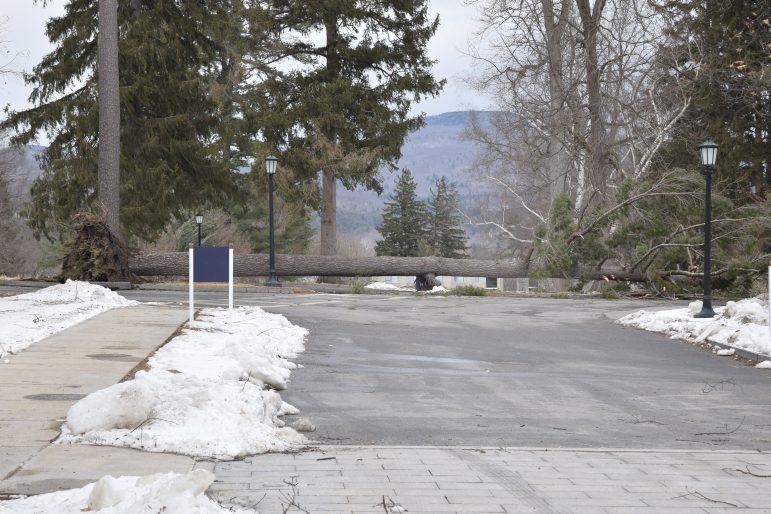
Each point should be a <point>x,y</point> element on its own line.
<point>246,265</point>
<point>251,265</point>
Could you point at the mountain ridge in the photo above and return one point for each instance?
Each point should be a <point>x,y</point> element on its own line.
<point>437,149</point>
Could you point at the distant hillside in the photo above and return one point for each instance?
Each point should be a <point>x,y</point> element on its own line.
<point>435,150</point>
<point>23,167</point>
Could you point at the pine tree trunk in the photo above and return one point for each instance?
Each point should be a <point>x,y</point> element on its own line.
<point>171,264</point>
<point>328,213</point>
<point>108,179</point>
<point>176,264</point>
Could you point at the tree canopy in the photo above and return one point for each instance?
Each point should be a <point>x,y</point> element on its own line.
<point>405,218</point>
<point>172,125</point>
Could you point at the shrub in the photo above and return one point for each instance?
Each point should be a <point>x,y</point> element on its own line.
<point>469,291</point>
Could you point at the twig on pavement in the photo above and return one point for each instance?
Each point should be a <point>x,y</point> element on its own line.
<point>701,496</point>
<point>747,471</point>
<point>726,432</point>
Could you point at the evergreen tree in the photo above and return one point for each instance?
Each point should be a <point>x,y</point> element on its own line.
<point>724,46</point>
<point>293,228</point>
<point>405,219</point>
<point>354,89</point>
<point>171,156</point>
<point>10,258</point>
<point>446,237</point>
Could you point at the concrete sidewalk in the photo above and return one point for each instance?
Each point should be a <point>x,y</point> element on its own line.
<point>40,384</point>
<point>427,479</point>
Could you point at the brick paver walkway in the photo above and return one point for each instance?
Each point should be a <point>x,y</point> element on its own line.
<point>463,480</point>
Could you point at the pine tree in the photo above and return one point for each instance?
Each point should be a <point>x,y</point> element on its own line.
<point>171,155</point>
<point>446,237</point>
<point>354,89</point>
<point>405,219</point>
<point>293,227</point>
<point>724,48</point>
<point>10,257</point>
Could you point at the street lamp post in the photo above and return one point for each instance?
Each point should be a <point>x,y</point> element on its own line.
<point>199,222</point>
<point>708,151</point>
<point>271,164</point>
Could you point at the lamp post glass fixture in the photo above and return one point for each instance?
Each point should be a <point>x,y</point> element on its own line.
<point>271,165</point>
<point>708,152</point>
<point>199,222</point>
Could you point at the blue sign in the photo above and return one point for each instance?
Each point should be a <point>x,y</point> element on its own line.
<point>211,264</point>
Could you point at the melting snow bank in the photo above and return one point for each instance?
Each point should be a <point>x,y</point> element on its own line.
<point>206,392</point>
<point>384,286</point>
<point>170,493</point>
<point>30,317</point>
<point>741,324</point>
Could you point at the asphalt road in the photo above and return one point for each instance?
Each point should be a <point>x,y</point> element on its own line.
<point>508,372</point>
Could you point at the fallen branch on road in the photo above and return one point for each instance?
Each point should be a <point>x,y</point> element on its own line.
<point>727,432</point>
<point>702,496</point>
<point>747,471</point>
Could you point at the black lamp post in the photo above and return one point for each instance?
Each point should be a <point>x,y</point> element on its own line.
<point>708,151</point>
<point>199,222</point>
<point>271,164</point>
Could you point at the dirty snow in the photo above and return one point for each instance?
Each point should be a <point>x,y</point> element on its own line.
<point>208,392</point>
<point>384,286</point>
<point>28,318</point>
<point>170,493</point>
<point>741,324</point>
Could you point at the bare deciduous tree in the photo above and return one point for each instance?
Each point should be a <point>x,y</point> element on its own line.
<point>587,93</point>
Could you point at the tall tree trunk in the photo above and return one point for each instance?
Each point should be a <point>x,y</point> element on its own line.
<point>554,25</point>
<point>597,163</point>
<point>108,179</point>
<point>328,213</point>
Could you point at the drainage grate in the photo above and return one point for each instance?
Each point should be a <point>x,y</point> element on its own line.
<point>121,357</point>
<point>56,397</point>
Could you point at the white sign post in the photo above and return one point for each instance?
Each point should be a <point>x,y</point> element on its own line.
<point>230,278</point>
<point>769,301</point>
<point>190,299</point>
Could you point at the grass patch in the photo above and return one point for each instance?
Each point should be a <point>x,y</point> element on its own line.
<point>357,287</point>
<point>468,291</point>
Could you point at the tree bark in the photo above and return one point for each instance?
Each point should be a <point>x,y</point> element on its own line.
<point>176,264</point>
<point>108,175</point>
<point>590,26</point>
<point>251,265</point>
<point>328,235</point>
<point>328,213</point>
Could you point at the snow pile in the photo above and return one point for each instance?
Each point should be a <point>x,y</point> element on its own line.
<point>170,493</point>
<point>741,324</point>
<point>206,393</point>
<point>384,286</point>
<point>28,318</point>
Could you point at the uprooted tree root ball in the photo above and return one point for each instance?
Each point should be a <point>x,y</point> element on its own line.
<point>95,253</point>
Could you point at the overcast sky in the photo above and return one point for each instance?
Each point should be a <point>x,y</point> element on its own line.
<point>25,42</point>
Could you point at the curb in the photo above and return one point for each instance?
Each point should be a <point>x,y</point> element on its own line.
<point>38,284</point>
<point>744,354</point>
<point>211,288</point>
